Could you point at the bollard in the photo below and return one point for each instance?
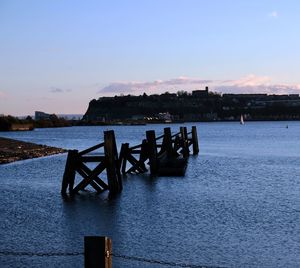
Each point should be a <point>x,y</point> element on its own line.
<point>97,252</point>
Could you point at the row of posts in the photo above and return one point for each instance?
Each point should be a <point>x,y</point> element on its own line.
<point>110,161</point>
<point>168,144</point>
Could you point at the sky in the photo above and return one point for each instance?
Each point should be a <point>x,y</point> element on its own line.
<point>57,55</point>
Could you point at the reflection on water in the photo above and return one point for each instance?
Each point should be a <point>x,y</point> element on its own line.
<point>237,206</point>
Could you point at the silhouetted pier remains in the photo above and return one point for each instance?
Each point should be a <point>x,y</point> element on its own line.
<point>76,162</point>
<point>166,155</point>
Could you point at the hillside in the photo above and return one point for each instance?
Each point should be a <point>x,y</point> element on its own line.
<point>199,105</point>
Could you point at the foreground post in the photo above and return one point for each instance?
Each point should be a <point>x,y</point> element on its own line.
<point>195,140</point>
<point>152,147</point>
<point>97,252</point>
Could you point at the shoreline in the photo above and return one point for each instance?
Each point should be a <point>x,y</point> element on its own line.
<point>121,123</point>
<point>14,150</point>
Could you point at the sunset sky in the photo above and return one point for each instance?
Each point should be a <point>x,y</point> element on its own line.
<point>56,56</point>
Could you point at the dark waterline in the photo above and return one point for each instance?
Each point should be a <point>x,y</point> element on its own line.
<point>237,206</point>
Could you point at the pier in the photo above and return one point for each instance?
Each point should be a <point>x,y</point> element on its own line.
<point>166,155</point>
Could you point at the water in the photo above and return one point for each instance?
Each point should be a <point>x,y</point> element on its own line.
<point>237,206</point>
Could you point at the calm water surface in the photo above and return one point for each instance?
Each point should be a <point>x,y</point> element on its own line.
<point>237,206</point>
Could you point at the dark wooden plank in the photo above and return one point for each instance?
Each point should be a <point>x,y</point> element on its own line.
<point>92,183</point>
<point>96,178</point>
<point>176,134</point>
<point>135,151</point>
<point>136,165</point>
<point>93,148</point>
<point>91,177</point>
<point>135,147</point>
<point>92,158</point>
<point>159,137</point>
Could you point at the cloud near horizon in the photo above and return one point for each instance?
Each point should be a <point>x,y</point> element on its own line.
<point>247,84</point>
<point>59,90</point>
<point>154,86</point>
<point>256,84</point>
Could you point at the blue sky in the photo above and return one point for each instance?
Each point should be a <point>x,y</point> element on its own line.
<point>56,56</point>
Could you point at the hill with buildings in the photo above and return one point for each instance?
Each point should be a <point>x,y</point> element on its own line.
<point>199,105</point>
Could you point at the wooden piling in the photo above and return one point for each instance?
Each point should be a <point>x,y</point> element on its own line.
<point>70,171</point>
<point>184,141</point>
<point>123,157</point>
<point>195,140</point>
<point>112,163</point>
<point>143,155</point>
<point>97,252</point>
<point>152,151</point>
<point>167,142</point>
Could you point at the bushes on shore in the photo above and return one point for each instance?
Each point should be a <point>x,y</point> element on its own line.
<point>8,123</point>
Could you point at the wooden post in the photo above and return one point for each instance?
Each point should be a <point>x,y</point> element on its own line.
<point>185,145</point>
<point>97,252</point>
<point>143,155</point>
<point>195,140</point>
<point>123,156</point>
<point>112,165</point>
<point>186,140</point>
<point>167,141</point>
<point>150,135</point>
<point>70,171</point>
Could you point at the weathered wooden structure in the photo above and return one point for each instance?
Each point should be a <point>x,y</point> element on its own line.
<point>166,154</point>
<point>107,161</point>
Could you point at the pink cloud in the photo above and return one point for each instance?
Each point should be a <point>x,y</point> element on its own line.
<point>256,84</point>
<point>252,80</point>
<point>155,86</point>
<point>248,84</point>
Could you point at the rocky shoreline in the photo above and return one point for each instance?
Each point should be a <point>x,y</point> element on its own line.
<point>14,150</point>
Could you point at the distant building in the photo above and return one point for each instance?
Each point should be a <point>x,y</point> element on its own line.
<point>41,115</point>
<point>200,93</point>
<point>165,116</point>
